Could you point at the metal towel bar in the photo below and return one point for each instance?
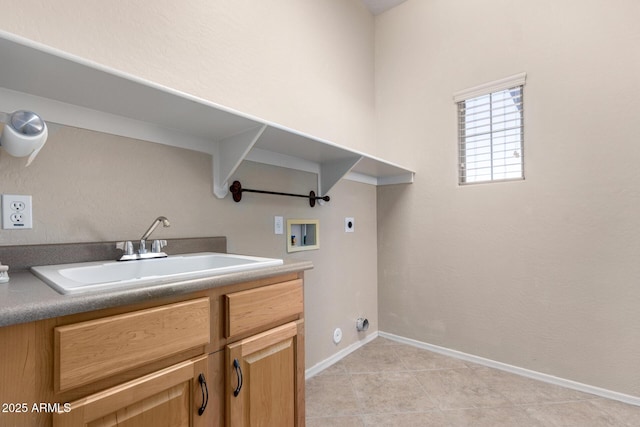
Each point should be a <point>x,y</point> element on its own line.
<point>237,190</point>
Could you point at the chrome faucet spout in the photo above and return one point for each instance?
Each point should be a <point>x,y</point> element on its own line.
<point>161,219</point>
<point>143,253</point>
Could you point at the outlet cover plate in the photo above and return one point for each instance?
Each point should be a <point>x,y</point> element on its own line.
<point>349,225</point>
<point>16,212</point>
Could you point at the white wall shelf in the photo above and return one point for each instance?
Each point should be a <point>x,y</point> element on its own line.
<point>73,91</point>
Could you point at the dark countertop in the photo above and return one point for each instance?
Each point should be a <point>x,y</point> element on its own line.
<point>25,298</point>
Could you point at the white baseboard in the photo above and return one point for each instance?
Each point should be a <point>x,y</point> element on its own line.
<point>319,367</point>
<point>614,395</point>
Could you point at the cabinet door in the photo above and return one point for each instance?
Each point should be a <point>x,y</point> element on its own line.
<point>170,397</point>
<point>261,379</point>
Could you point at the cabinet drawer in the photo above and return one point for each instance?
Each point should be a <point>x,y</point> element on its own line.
<point>170,396</point>
<point>96,349</point>
<point>251,309</point>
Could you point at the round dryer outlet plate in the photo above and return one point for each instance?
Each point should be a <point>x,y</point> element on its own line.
<point>337,335</point>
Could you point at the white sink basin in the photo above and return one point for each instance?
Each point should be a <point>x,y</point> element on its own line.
<point>108,275</point>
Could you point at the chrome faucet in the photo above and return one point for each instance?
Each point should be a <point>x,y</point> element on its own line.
<point>156,246</point>
<point>161,219</point>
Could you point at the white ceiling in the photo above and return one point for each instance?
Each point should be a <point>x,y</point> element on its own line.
<point>378,6</point>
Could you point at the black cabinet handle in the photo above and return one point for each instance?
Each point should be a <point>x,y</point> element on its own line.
<point>236,365</point>
<point>205,394</point>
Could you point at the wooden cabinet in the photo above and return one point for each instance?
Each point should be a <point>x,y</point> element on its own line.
<point>140,365</point>
<point>262,379</point>
<point>256,309</point>
<point>176,396</point>
<point>95,349</point>
<point>85,352</point>
<point>265,371</point>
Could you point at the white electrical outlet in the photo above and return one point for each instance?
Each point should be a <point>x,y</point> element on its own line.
<point>278,225</point>
<point>349,225</point>
<point>16,212</point>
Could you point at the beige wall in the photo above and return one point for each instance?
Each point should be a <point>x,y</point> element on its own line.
<point>307,65</point>
<point>282,62</point>
<point>543,273</point>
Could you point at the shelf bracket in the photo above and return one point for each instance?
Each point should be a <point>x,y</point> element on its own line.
<point>334,171</point>
<point>227,156</point>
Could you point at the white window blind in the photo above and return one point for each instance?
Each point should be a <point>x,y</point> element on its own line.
<point>491,131</point>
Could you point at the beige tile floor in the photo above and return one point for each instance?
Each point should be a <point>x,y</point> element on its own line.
<point>385,383</point>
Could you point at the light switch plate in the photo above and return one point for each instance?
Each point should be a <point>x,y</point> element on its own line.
<point>278,225</point>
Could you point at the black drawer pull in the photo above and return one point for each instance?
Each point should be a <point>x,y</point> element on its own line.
<point>205,394</point>
<point>236,365</point>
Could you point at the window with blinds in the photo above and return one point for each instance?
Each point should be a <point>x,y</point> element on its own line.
<point>491,131</point>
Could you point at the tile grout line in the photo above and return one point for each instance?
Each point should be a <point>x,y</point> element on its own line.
<point>424,391</point>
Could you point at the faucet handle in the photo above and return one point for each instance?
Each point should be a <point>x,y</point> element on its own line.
<point>157,245</point>
<point>127,247</point>
<point>143,247</point>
